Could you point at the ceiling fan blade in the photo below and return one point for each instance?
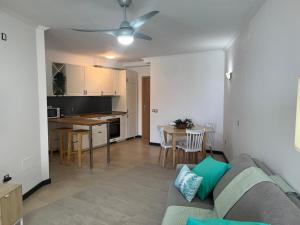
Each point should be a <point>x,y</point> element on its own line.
<point>142,36</point>
<point>111,32</point>
<point>138,22</point>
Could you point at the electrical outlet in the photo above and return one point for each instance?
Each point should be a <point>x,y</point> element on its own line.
<point>3,36</point>
<point>6,178</point>
<point>155,110</point>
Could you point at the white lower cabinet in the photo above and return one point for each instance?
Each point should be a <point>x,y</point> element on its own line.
<point>99,136</point>
<point>123,127</point>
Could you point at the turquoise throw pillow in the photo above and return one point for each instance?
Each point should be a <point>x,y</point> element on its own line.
<point>192,221</point>
<point>212,171</point>
<point>188,183</point>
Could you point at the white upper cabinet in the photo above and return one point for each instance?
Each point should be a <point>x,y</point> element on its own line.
<point>107,81</point>
<point>75,80</point>
<point>93,81</point>
<point>117,82</point>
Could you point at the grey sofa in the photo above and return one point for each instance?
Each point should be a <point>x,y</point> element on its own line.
<point>265,202</point>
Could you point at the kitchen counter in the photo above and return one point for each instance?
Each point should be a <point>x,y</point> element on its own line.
<point>94,115</point>
<point>77,120</point>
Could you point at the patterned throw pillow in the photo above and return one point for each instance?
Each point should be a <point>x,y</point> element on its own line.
<point>188,183</point>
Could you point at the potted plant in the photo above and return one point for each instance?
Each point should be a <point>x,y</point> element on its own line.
<point>184,124</point>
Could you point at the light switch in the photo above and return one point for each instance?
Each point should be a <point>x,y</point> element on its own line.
<point>3,36</point>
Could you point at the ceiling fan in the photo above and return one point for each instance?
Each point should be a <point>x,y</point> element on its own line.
<point>127,31</point>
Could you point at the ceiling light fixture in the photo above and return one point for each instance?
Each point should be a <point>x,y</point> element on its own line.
<point>110,56</point>
<point>125,39</point>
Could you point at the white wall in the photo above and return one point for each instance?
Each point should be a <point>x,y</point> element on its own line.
<point>188,86</point>
<point>262,93</point>
<point>20,154</point>
<point>42,92</point>
<point>142,72</point>
<point>53,55</point>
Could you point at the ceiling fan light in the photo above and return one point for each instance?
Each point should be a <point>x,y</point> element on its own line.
<point>125,39</point>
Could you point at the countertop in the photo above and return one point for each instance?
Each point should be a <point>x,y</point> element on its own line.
<point>85,119</point>
<point>93,115</point>
<point>78,121</point>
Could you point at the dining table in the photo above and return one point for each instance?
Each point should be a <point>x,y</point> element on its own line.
<point>81,121</point>
<point>176,132</point>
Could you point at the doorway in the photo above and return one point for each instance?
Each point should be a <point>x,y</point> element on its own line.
<point>146,109</point>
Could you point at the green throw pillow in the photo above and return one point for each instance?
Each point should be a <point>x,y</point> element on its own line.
<point>192,221</point>
<point>212,171</point>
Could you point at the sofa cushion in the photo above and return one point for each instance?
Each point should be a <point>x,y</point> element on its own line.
<point>188,183</point>
<point>212,171</point>
<point>238,164</point>
<point>175,198</point>
<point>265,203</point>
<point>263,166</point>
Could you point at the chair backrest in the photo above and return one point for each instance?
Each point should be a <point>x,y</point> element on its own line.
<point>162,136</point>
<point>194,140</point>
<point>211,136</point>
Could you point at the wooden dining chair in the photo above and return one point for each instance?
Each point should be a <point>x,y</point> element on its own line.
<point>165,145</point>
<point>210,138</point>
<point>193,144</point>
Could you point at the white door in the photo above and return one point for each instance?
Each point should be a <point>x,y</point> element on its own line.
<point>132,101</point>
<point>107,81</point>
<point>75,80</point>
<point>92,81</point>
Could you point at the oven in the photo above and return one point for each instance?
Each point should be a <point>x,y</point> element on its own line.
<point>114,128</point>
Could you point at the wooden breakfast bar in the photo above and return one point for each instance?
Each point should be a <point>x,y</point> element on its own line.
<point>90,123</point>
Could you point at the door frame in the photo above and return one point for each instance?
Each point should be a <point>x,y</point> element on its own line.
<point>146,123</point>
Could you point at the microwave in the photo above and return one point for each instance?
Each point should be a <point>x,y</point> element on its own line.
<point>53,112</point>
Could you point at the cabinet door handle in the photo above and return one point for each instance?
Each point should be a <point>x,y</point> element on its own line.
<point>99,132</point>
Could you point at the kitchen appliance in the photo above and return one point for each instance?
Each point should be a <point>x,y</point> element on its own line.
<point>114,128</point>
<point>53,112</point>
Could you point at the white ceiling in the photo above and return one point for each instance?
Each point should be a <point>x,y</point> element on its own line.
<point>181,26</point>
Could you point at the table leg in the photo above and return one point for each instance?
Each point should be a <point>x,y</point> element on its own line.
<point>91,146</point>
<point>108,144</point>
<point>204,146</point>
<point>174,150</point>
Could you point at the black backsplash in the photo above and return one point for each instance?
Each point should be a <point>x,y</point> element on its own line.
<point>81,105</point>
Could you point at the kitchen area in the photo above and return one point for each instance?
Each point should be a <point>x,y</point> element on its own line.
<point>89,107</point>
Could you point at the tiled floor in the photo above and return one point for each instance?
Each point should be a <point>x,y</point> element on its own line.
<point>134,175</point>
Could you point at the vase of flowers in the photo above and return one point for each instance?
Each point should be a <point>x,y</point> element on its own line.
<point>184,124</point>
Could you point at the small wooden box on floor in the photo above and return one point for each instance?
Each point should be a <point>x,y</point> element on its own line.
<point>11,204</point>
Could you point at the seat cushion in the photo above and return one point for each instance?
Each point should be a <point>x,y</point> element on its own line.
<point>175,198</point>
<point>238,164</point>
<point>212,171</point>
<point>188,183</point>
